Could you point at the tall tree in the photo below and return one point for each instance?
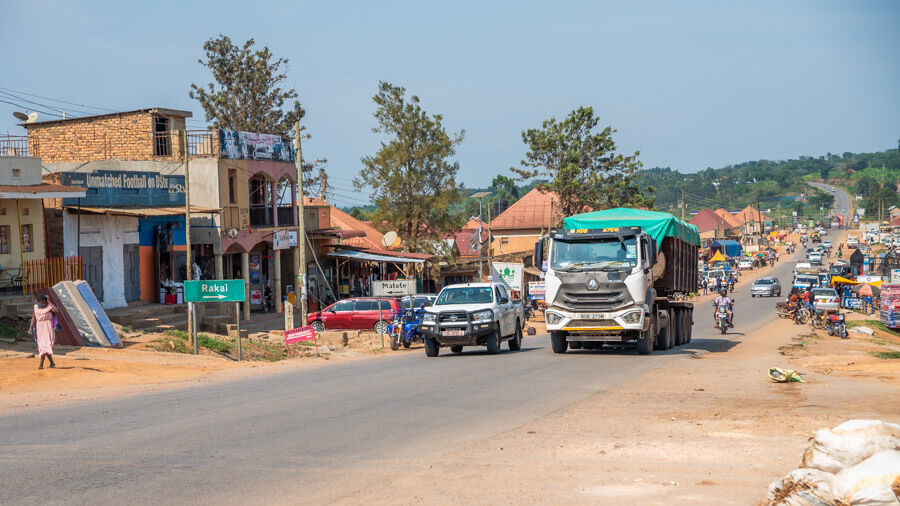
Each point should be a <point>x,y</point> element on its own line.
<point>247,94</point>
<point>412,177</point>
<point>582,164</point>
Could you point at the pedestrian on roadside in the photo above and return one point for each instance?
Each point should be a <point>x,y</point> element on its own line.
<point>43,328</point>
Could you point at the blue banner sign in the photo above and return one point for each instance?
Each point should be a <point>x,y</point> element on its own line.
<point>112,188</point>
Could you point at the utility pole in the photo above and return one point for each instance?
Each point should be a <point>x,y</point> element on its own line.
<point>189,265</point>
<point>301,233</point>
<point>759,217</point>
<point>324,177</point>
<point>682,205</point>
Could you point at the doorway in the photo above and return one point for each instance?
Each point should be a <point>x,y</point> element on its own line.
<point>92,262</point>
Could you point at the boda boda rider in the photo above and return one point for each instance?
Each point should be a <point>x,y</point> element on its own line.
<point>723,300</point>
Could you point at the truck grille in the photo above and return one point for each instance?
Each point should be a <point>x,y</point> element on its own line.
<point>453,317</point>
<point>593,301</point>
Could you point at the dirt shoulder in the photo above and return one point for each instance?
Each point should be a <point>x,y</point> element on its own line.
<point>708,428</point>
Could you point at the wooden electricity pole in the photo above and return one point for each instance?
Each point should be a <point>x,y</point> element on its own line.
<point>192,336</point>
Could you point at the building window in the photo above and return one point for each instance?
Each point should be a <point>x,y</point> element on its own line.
<point>16,172</point>
<point>27,239</point>
<point>504,241</point>
<point>25,211</point>
<point>232,173</point>
<point>4,239</point>
<point>2,211</point>
<point>161,145</point>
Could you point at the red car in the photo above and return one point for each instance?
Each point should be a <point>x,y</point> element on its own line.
<point>360,313</point>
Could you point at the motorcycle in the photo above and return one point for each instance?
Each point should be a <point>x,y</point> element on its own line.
<point>817,320</point>
<point>836,326</point>
<point>800,315</point>
<point>404,329</point>
<point>722,318</point>
<point>783,310</point>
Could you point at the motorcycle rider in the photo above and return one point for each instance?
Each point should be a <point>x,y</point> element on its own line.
<point>723,300</point>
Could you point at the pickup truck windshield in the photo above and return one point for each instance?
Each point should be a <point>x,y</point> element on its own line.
<point>594,254</point>
<point>465,295</point>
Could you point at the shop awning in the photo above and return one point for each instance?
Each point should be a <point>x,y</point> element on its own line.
<point>369,257</point>
<point>534,271</point>
<point>143,212</point>
<point>41,191</point>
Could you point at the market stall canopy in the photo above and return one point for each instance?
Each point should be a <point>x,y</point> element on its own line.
<point>866,290</point>
<point>369,257</point>
<point>657,225</point>
<point>843,280</point>
<point>718,257</point>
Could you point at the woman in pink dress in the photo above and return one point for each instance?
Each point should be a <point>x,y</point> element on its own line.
<point>43,328</point>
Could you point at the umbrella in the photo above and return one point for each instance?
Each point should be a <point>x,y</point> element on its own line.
<point>866,290</point>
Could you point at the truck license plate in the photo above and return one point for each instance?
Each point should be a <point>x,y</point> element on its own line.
<point>453,332</point>
<point>591,316</point>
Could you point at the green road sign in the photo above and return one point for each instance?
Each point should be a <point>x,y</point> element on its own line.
<point>214,290</point>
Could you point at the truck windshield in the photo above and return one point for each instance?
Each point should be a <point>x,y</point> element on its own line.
<point>594,254</point>
<point>464,295</point>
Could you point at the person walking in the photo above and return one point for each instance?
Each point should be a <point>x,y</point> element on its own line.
<point>43,327</point>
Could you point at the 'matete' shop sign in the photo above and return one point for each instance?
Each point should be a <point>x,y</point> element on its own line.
<point>110,188</point>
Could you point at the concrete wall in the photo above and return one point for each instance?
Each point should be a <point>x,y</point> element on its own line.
<point>112,233</point>
<point>20,170</point>
<point>30,213</point>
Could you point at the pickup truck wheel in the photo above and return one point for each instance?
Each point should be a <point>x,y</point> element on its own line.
<point>558,342</point>
<point>515,344</point>
<point>432,348</point>
<point>493,343</point>
<point>456,348</point>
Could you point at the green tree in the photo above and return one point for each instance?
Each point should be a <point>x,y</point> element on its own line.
<point>582,164</point>
<point>412,177</point>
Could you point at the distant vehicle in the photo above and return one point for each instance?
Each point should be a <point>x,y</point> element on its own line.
<point>852,241</point>
<point>806,281</point>
<point>827,244</point>
<point>802,265</point>
<point>766,287</point>
<point>360,313</point>
<point>711,278</point>
<point>815,258</point>
<point>745,263</point>
<point>417,300</point>
<point>825,299</point>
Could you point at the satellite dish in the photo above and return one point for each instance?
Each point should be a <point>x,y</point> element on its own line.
<point>32,117</point>
<point>397,242</point>
<point>231,233</point>
<point>21,116</point>
<point>389,239</point>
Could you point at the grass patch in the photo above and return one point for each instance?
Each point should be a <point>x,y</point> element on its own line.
<point>215,344</point>
<point>180,334</point>
<point>8,331</point>
<point>885,354</point>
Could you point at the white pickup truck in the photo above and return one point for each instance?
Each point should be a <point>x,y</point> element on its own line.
<point>473,314</point>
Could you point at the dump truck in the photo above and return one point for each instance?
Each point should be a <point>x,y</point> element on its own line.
<point>619,275</point>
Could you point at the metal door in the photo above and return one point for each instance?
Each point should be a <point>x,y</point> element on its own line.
<point>92,262</point>
<point>131,259</point>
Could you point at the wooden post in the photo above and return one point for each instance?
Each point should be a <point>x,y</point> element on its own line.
<point>237,321</point>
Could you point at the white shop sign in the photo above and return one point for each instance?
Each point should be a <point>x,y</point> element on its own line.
<point>396,288</point>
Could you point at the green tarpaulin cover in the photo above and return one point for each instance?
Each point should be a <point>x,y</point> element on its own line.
<point>656,225</point>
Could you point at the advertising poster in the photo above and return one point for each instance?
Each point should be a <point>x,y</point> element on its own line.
<point>252,146</point>
<point>509,273</point>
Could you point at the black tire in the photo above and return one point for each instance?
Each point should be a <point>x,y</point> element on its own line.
<point>558,342</point>
<point>689,324</point>
<point>645,341</point>
<point>395,342</point>
<point>515,344</point>
<point>406,344</point>
<point>493,342</point>
<point>723,327</point>
<point>456,348</point>
<point>432,347</point>
<point>318,326</point>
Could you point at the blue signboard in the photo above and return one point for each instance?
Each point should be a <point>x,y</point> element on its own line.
<point>119,188</point>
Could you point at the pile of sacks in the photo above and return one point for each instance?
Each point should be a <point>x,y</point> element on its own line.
<point>856,463</point>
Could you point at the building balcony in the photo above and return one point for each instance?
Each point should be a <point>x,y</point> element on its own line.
<point>13,145</point>
<point>261,215</point>
<point>286,216</point>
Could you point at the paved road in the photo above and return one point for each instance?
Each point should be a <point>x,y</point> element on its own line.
<point>312,435</point>
<point>841,200</point>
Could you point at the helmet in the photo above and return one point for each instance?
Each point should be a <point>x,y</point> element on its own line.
<point>724,292</point>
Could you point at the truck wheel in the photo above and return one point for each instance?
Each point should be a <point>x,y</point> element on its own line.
<point>645,342</point>
<point>395,342</point>
<point>689,324</point>
<point>456,348</point>
<point>558,342</point>
<point>493,342</point>
<point>515,344</point>
<point>678,330</point>
<point>432,347</point>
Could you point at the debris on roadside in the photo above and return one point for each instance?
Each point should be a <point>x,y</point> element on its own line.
<point>863,330</point>
<point>856,463</point>
<point>785,375</point>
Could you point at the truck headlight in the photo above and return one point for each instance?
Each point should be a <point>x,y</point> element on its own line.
<point>553,318</point>
<point>632,317</point>
<point>487,314</point>
<point>429,318</point>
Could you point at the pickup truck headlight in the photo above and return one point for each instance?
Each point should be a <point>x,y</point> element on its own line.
<point>429,318</point>
<point>632,317</point>
<point>553,318</point>
<point>487,314</point>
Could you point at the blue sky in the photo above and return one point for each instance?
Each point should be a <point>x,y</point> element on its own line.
<point>690,84</point>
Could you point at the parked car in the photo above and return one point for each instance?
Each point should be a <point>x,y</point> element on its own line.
<point>360,313</point>
<point>825,299</point>
<point>473,314</point>
<point>745,263</point>
<point>767,286</point>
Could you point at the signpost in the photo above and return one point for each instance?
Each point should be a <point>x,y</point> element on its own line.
<point>395,288</point>
<point>219,290</point>
<point>300,334</point>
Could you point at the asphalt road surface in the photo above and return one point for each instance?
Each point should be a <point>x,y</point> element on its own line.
<point>841,200</point>
<point>314,435</point>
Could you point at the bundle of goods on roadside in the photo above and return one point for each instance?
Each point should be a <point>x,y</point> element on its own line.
<point>890,306</point>
<point>82,320</point>
<point>856,463</point>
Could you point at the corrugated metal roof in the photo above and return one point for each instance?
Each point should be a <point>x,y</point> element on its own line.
<point>145,211</point>
<point>361,255</point>
<point>44,190</point>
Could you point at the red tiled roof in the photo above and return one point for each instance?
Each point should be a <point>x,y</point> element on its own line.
<point>464,240</point>
<point>750,214</point>
<point>706,220</point>
<point>343,221</point>
<point>529,212</point>
<point>731,219</point>
<point>472,224</point>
